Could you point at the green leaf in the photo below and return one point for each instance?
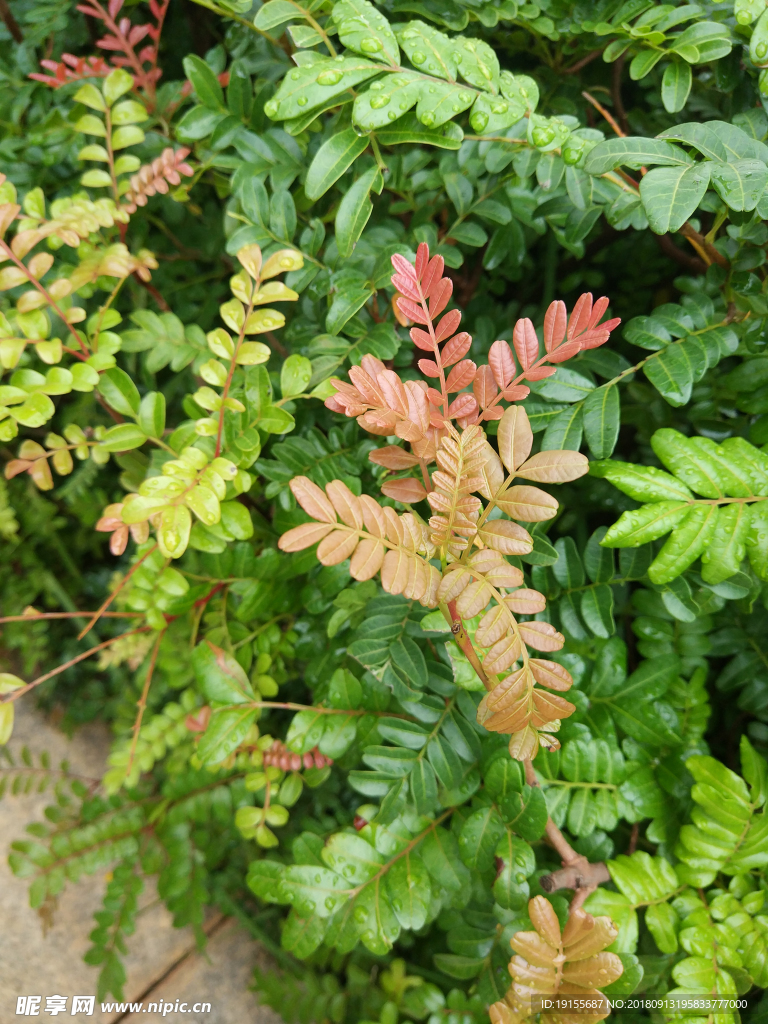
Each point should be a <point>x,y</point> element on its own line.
<point>423,786</point>
<point>427,49</point>
<point>227,729</point>
<point>386,100</point>
<point>653,723</point>
<point>740,184</point>
<point>408,129</point>
<point>440,852</point>
<point>334,157</point>
<point>643,483</point>
<point>295,375</point>
<point>311,85</point>
<point>152,414</point>
<point>275,13</point>
<point>692,463</point>
<point>645,524</point>
<point>409,890</point>
<point>675,369</point>
<point>204,82</point>
<point>676,86</point>
<point>670,195</point>
<point>364,29</point>
<point>662,922</point>
<point>461,967</point>
<point>726,550</point>
<point>568,569</point>
<point>354,210</point>
<point>445,761</point>
<point>602,419</point>
<point>597,610</point>
<point>687,542</point>
<point>408,657</point>
<point>219,675</point>
<point>643,63</point>
<point>403,733</point>
<point>526,812</point>
<point>477,63</point>
<point>312,889</point>
<point>635,153</point>
<point>123,438</point>
<point>755,771</point>
<point>306,730</point>
<point>119,391</point>
<point>479,837</point>
<point>441,102</point>
<point>565,430</point>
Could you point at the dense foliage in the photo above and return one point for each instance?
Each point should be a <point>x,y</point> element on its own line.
<point>302,305</point>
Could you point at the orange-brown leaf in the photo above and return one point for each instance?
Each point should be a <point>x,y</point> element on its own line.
<point>336,547</point>
<point>595,972</point>
<point>409,491</point>
<point>555,322</point>
<point>554,467</point>
<point>303,536</point>
<point>533,947</point>
<point>493,626</point>
<point>550,674</point>
<point>526,602</point>
<point>312,499</point>
<point>473,599</point>
<point>507,537</point>
<point>542,915</point>
<point>392,456</point>
<point>347,504</point>
<point>541,635</point>
<point>367,559</point>
<point>502,654</point>
<point>515,437</point>
<point>456,348</point>
<point>527,504</point>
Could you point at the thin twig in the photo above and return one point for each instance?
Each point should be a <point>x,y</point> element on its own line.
<point>69,615</point>
<point>10,22</point>
<point>15,694</point>
<point>618,103</point>
<point>581,63</point>
<point>142,703</point>
<point>115,592</point>
<point>608,117</point>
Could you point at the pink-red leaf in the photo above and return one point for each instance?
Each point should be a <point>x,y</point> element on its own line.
<point>460,376</point>
<point>441,293</point>
<point>502,362</point>
<point>456,348</point>
<point>429,368</point>
<point>555,323</point>
<point>526,343</point>
<point>448,325</point>
<point>464,405</point>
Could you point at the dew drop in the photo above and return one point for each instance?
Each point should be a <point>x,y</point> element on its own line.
<point>465,96</point>
<point>392,115</point>
<point>360,914</point>
<point>427,118</point>
<point>329,77</point>
<point>329,903</point>
<point>270,108</point>
<point>295,75</point>
<point>302,101</point>
<point>377,102</point>
<point>417,57</point>
<point>369,45</point>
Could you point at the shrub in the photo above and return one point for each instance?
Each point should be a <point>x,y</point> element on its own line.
<point>442,764</point>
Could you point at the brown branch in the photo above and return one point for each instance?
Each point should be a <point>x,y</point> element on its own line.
<point>693,264</point>
<point>581,63</point>
<point>10,22</point>
<point>461,637</point>
<point>142,702</point>
<point>97,615</point>
<point>15,694</point>
<point>618,103</point>
<point>608,117</point>
<point>32,616</point>
<point>153,292</point>
<point>705,249</point>
<point>577,872</point>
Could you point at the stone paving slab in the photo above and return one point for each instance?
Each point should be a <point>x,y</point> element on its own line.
<point>45,958</point>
